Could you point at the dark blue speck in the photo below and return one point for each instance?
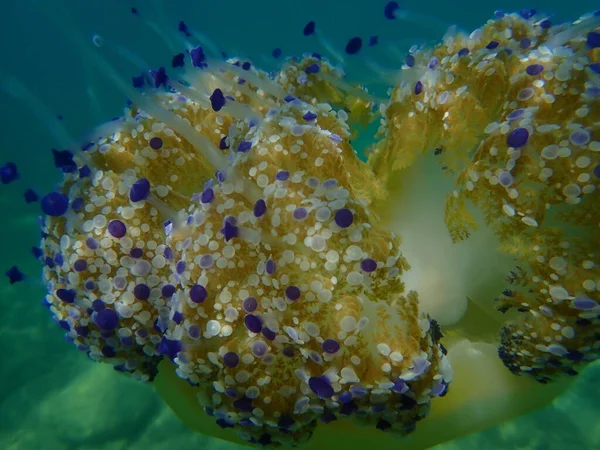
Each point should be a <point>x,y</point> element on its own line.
<point>198,57</point>
<point>14,275</point>
<point>37,252</point>
<point>140,190</point>
<point>313,68</point>
<point>309,116</point>
<point>244,146</point>
<point>138,82</point>
<point>66,295</point>
<point>55,204</point>
<point>64,161</point>
<point>353,45</point>
<point>593,39</point>
<point>184,29</point>
<point>178,60</point>
<point>309,29</point>
<point>217,100</point>
<point>9,173</point>
<point>527,13</point>
<point>223,145</point>
<point>160,77</point>
<point>229,230</point>
<point>390,10</point>
<point>30,196</point>
<point>77,204</point>
<point>84,172</point>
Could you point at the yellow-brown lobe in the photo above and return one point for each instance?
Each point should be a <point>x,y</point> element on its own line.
<point>116,162</point>
<point>82,236</point>
<point>520,142</point>
<point>338,300</point>
<point>335,344</point>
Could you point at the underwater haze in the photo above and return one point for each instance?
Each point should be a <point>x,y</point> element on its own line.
<point>53,397</point>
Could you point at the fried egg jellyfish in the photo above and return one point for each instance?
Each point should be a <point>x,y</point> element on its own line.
<point>355,199</point>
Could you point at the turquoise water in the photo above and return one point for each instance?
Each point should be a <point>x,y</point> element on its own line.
<point>51,396</point>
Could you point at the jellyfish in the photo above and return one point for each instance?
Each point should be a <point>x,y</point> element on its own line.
<point>223,241</point>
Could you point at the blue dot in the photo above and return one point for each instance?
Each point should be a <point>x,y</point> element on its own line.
<point>140,190</point>
<point>330,346</point>
<point>156,143</point>
<point>107,319</point>
<point>253,323</point>
<point>55,204</point>
<point>593,39</point>
<point>368,265</point>
<point>260,208</point>
<point>344,218</point>
<point>217,100</point>
<point>517,137</point>
<point>390,10</point>
<point>309,28</point>
<point>321,386</point>
<point>66,295</point>
<point>198,293</point>
<point>168,290</point>
<point>141,291</point>
<point>292,292</point>
<point>353,45</point>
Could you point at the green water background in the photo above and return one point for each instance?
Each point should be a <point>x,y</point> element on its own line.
<point>51,396</point>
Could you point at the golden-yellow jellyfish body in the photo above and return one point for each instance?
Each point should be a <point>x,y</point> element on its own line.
<point>224,241</point>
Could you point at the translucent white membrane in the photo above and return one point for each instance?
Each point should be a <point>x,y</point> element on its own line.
<point>207,80</point>
<point>165,210</point>
<point>241,111</point>
<point>238,110</point>
<point>444,274</point>
<point>199,97</point>
<point>146,103</point>
<point>201,143</point>
<point>573,31</point>
<point>330,48</point>
<point>92,95</point>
